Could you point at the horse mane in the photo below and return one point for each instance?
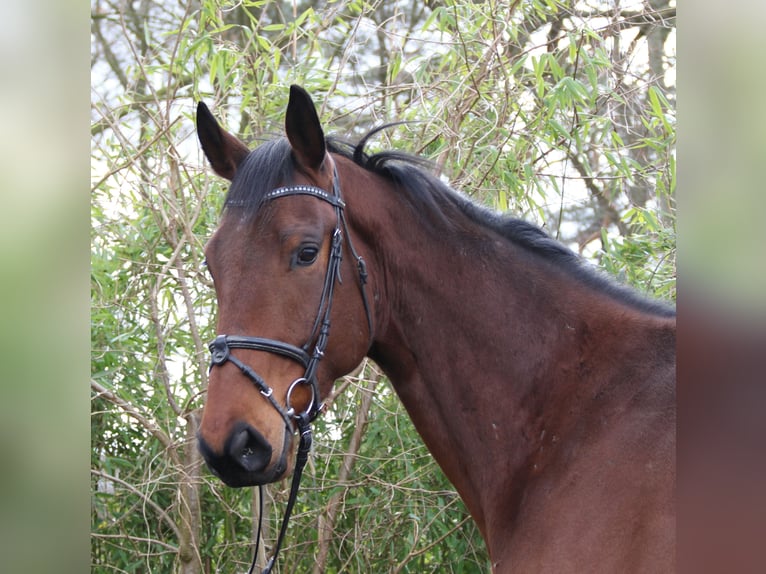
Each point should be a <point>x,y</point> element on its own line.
<point>437,203</point>
<point>271,165</point>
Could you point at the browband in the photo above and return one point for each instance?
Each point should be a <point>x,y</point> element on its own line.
<point>305,190</point>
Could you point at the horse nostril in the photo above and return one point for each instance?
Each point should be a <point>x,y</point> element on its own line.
<point>249,449</point>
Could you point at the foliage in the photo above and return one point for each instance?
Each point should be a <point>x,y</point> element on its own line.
<point>559,111</point>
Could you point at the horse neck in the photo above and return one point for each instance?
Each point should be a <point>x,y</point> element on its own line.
<point>486,344</point>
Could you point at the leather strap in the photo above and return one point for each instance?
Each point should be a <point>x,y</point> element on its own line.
<point>259,344</point>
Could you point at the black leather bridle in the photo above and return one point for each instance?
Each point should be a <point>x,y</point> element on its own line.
<point>221,346</point>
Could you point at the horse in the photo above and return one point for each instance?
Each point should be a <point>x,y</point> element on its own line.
<point>544,390</point>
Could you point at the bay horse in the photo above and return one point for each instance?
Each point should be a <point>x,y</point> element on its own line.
<point>545,391</point>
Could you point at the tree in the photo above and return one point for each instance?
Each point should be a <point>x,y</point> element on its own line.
<point>561,112</point>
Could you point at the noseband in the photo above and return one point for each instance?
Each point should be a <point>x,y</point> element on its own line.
<point>221,346</point>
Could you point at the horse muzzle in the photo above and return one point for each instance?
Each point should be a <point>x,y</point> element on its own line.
<point>246,459</point>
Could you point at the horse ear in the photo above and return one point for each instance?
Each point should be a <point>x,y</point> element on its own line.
<point>304,130</point>
<point>224,151</point>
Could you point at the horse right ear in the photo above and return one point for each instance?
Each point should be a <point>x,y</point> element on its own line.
<point>224,151</point>
<point>303,129</point>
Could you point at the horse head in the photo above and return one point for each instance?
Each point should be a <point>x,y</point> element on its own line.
<point>277,260</point>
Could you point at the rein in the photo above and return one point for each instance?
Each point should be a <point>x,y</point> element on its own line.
<point>221,346</point>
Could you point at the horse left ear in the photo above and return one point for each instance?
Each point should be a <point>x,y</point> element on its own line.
<point>224,151</point>
<point>304,130</point>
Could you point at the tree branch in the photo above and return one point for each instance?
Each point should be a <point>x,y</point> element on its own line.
<point>132,411</point>
<point>141,539</point>
<point>327,523</point>
<point>146,499</point>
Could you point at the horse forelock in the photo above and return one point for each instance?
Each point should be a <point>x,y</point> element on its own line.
<point>266,167</point>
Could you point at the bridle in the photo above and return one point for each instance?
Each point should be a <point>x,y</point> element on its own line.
<point>221,346</point>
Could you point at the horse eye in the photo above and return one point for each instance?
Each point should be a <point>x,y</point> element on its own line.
<point>306,255</point>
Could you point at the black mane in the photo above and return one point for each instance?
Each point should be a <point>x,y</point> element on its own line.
<point>271,165</point>
<point>437,202</point>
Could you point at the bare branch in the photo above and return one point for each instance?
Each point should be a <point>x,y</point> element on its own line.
<point>141,495</point>
<point>327,519</point>
<point>133,412</point>
<point>141,539</point>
